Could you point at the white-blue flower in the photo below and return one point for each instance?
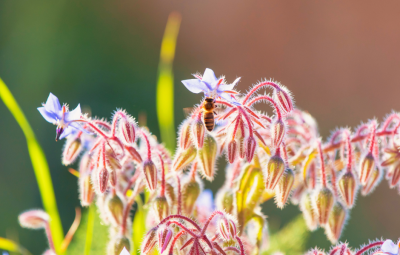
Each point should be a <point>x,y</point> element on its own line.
<point>211,86</point>
<point>60,116</point>
<point>388,247</point>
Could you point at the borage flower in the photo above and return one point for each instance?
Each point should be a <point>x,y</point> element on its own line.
<point>389,248</point>
<point>60,116</point>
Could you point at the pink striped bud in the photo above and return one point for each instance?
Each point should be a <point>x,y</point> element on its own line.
<point>366,167</point>
<point>72,149</point>
<point>34,219</point>
<point>184,135</point>
<point>160,207</point>
<point>112,161</point>
<point>135,154</point>
<point>282,190</point>
<point>128,127</point>
<point>341,249</point>
<point>227,229</point>
<point>232,151</point>
<point>190,192</point>
<point>150,173</point>
<point>198,131</point>
<point>164,238</point>
<point>118,244</point>
<point>115,209</point>
<point>283,99</point>
<point>183,158</point>
<point>113,178</point>
<point>250,146</point>
<point>102,179</point>
<point>347,185</point>
<point>395,176</point>
<point>308,211</point>
<point>207,156</point>
<point>242,147</point>
<point>323,201</point>
<point>336,222</point>
<point>277,132</point>
<point>275,169</point>
<point>373,181</point>
<point>86,190</point>
<point>149,241</point>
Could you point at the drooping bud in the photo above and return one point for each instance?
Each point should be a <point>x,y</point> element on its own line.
<point>242,147</point>
<point>184,135</point>
<point>190,192</point>
<point>86,190</point>
<point>373,181</point>
<point>395,176</point>
<point>347,187</point>
<point>72,149</point>
<point>113,178</point>
<point>283,99</point>
<point>282,190</point>
<point>115,209</point>
<point>102,179</point>
<point>149,241</point>
<point>336,222</point>
<point>341,249</point>
<point>34,219</point>
<point>366,167</point>
<point>128,127</point>
<point>198,131</point>
<point>117,245</point>
<point>232,151</point>
<point>225,199</point>
<point>323,201</point>
<point>250,146</point>
<point>275,169</point>
<point>308,211</point>
<point>207,156</point>
<point>161,207</point>
<point>170,193</point>
<point>150,172</point>
<point>164,238</point>
<point>277,132</point>
<point>184,157</point>
<point>135,154</point>
<point>227,229</point>
<point>112,161</point>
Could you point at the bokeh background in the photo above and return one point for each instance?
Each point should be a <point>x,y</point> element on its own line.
<point>341,59</point>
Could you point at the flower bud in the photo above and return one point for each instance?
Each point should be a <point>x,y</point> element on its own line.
<point>164,238</point>
<point>102,180</point>
<point>232,151</point>
<point>72,149</point>
<point>275,169</point>
<point>227,229</point>
<point>184,157</point>
<point>117,245</point>
<point>283,99</point>
<point>395,176</point>
<point>323,201</point>
<point>225,199</point>
<point>207,156</point>
<point>34,219</point>
<point>184,135</point>
<point>149,241</point>
<point>198,131</point>
<point>113,178</point>
<point>373,181</point>
<point>250,146</point>
<point>308,211</point>
<point>341,249</point>
<point>242,147</point>
<point>135,154</point>
<point>112,161</point>
<point>161,207</point>
<point>284,187</point>
<point>347,187</point>
<point>150,172</point>
<point>127,127</point>
<point>86,190</point>
<point>316,252</point>
<point>190,192</point>
<point>170,193</point>
<point>336,222</point>
<point>115,209</point>
<point>366,167</point>
<point>277,132</point>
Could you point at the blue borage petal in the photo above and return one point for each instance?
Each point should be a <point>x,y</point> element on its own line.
<point>48,116</point>
<point>52,104</point>
<point>67,131</point>
<point>210,78</point>
<point>195,86</point>
<point>74,115</point>
<point>389,247</point>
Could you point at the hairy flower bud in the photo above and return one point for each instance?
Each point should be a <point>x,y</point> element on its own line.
<point>150,172</point>
<point>315,252</point>
<point>184,135</point>
<point>72,149</point>
<point>366,167</point>
<point>232,151</point>
<point>225,199</point>
<point>128,127</point>
<point>170,193</point>
<point>149,241</point>
<point>323,201</point>
<point>113,178</point>
<point>198,131</point>
<point>341,249</point>
<point>227,229</point>
<point>373,181</point>
<point>395,176</point>
<point>277,132</point>
<point>250,146</point>
<point>117,245</point>
<point>34,219</point>
<point>283,99</point>
<point>275,169</point>
<point>115,209</point>
<point>86,190</point>
<point>347,187</point>
<point>207,156</point>
<point>183,158</point>
<point>135,154</point>
<point>336,222</point>
<point>282,190</point>
<point>308,211</point>
<point>164,238</point>
<point>161,207</point>
<point>190,192</point>
<point>102,179</point>
<point>242,147</point>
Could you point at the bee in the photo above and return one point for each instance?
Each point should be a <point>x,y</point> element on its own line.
<point>208,108</point>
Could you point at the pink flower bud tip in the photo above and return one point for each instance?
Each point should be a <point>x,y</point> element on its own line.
<point>34,219</point>
<point>250,145</point>
<point>227,229</point>
<point>103,180</point>
<point>277,132</point>
<point>284,100</point>
<point>150,172</point>
<point>128,127</point>
<point>232,151</point>
<point>149,241</point>
<point>164,238</point>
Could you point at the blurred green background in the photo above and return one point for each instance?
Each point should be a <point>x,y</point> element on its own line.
<point>341,60</point>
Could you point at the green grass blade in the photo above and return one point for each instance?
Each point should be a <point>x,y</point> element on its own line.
<point>8,245</point>
<point>89,231</point>
<point>39,164</point>
<point>165,83</point>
